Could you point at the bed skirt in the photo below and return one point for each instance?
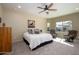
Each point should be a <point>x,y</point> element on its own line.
<point>42,44</point>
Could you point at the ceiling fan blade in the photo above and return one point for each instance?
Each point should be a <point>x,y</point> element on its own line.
<point>40,7</point>
<point>50,5</point>
<point>52,9</point>
<point>42,11</point>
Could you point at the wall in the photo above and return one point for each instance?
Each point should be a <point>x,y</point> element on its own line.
<point>73,17</point>
<point>52,23</point>
<point>0,12</point>
<point>18,22</point>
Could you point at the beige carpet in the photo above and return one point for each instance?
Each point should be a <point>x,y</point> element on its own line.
<point>58,47</point>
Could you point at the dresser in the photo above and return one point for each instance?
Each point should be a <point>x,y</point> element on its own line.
<point>5,39</point>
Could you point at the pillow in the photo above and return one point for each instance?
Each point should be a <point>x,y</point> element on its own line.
<point>30,31</point>
<point>36,31</point>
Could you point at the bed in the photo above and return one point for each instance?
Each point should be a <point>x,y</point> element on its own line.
<point>35,41</point>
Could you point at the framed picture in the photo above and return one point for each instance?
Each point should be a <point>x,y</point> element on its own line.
<point>31,23</point>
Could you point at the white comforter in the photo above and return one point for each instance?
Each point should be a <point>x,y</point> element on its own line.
<point>36,39</point>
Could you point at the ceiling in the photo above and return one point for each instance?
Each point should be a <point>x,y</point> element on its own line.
<point>62,8</point>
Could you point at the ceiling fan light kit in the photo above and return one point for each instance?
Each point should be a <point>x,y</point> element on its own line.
<point>47,8</point>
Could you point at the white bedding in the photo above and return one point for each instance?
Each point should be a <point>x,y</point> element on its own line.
<point>36,39</point>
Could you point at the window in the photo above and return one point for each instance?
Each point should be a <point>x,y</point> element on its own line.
<point>63,26</point>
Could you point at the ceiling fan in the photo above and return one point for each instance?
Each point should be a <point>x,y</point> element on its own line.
<point>47,8</point>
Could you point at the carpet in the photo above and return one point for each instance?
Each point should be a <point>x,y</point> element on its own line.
<point>58,47</point>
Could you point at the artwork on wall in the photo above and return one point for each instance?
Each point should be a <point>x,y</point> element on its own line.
<point>31,23</point>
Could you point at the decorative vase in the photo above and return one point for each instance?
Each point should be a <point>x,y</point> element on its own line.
<point>3,24</point>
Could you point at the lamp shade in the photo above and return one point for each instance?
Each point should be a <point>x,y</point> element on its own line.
<point>48,24</point>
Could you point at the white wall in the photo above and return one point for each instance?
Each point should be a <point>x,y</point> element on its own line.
<point>18,22</point>
<point>1,13</point>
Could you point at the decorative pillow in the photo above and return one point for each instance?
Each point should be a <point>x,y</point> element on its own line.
<point>36,31</point>
<point>30,31</point>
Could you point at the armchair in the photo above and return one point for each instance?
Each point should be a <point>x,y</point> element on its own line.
<point>72,34</point>
<point>53,33</point>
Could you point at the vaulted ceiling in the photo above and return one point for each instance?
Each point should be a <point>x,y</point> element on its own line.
<point>62,8</point>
